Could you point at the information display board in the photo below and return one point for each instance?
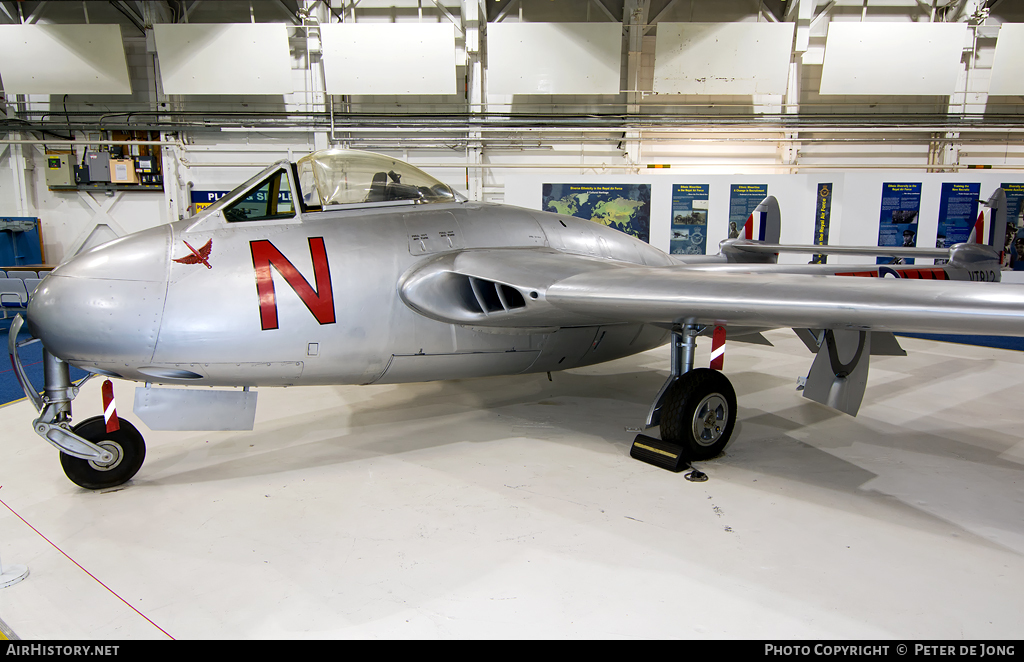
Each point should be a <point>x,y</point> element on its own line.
<point>897,221</point>
<point>625,207</point>
<point>743,199</point>
<point>822,219</point>
<point>958,211</point>
<point>689,225</point>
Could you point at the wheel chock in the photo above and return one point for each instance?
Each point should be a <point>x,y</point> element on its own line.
<point>660,453</point>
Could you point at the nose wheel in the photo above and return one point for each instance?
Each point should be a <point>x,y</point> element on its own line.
<point>699,413</point>
<point>125,445</point>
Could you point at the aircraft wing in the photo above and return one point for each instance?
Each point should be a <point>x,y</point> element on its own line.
<point>541,288</point>
<point>790,300</point>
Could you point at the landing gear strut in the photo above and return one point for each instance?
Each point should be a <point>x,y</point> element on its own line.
<point>92,458</point>
<point>696,409</point>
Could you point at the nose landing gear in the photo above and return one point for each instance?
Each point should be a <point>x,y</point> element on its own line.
<point>125,445</point>
<point>91,457</point>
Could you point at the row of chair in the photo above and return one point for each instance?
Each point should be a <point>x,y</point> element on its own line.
<point>15,292</point>
<point>24,273</point>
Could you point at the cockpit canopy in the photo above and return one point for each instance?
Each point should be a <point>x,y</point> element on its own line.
<point>345,177</point>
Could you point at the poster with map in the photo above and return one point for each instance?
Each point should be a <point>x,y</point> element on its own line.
<point>625,207</point>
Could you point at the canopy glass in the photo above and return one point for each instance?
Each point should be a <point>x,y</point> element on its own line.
<point>346,177</point>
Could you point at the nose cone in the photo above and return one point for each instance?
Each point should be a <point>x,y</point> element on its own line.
<point>103,307</point>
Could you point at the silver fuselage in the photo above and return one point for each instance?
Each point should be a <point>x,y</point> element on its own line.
<point>129,309</point>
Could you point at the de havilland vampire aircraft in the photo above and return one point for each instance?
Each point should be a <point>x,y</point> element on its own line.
<point>354,268</point>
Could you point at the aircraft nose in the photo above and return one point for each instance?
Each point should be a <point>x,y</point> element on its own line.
<point>103,307</point>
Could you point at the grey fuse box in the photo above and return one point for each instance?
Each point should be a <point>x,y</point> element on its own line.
<point>99,166</point>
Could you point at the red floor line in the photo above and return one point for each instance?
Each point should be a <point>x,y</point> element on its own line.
<point>27,365</point>
<point>83,569</point>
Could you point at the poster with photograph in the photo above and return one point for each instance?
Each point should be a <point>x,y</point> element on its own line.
<point>625,207</point>
<point>897,221</point>
<point>1014,202</point>
<point>743,199</point>
<point>689,225</point>
<point>1014,256</point>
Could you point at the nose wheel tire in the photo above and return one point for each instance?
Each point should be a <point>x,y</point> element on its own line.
<point>126,444</point>
<point>699,413</point>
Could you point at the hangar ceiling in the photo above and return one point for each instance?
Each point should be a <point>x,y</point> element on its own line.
<point>741,84</point>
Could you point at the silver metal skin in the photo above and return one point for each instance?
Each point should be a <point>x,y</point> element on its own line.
<point>395,291</point>
<point>127,309</point>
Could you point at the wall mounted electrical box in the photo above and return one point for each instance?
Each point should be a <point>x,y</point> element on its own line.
<point>60,170</point>
<point>122,171</point>
<point>99,166</point>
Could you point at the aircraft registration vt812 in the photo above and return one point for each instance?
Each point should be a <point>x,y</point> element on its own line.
<point>354,268</point>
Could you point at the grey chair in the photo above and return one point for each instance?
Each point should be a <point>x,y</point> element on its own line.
<point>13,295</point>
<point>30,285</point>
<point>18,273</point>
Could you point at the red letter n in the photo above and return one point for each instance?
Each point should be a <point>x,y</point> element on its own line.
<point>319,301</point>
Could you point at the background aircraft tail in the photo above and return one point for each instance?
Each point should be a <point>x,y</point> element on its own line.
<point>982,252</point>
<point>762,229</point>
<point>997,222</point>
<point>767,219</point>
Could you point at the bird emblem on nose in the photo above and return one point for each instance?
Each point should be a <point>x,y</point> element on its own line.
<point>197,256</point>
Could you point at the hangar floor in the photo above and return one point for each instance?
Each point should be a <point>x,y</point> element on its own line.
<point>509,507</point>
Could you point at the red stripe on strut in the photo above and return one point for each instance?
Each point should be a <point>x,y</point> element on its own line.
<point>109,408</point>
<point>718,348</point>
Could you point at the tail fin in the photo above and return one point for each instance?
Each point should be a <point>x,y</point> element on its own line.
<point>996,225</point>
<point>769,221</point>
<point>997,221</point>
<point>978,231</point>
<point>764,223</point>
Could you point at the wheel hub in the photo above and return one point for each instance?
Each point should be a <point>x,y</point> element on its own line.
<point>115,449</point>
<point>709,419</point>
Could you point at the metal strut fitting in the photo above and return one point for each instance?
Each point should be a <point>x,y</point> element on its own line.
<point>55,404</point>
<point>684,348</point>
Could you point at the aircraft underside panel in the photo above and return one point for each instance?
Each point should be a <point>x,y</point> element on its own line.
<point>435,367</point>
<point>189,409</point>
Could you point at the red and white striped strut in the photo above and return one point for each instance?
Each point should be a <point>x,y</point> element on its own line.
<point>109,408</point>
<point>718,348</point>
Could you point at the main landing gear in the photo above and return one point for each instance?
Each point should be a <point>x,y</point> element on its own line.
<point>91,457</point>
<point>696,409</point>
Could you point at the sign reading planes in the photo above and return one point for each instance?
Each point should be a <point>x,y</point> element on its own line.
<point>353,268</point>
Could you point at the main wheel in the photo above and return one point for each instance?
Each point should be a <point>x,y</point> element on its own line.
<point>699,413</point>
<point>126,444</point>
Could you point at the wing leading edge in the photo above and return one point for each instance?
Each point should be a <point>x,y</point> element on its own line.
<point>554,289</point>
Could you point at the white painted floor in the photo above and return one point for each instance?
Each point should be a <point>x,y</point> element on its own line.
<point>509,507</point>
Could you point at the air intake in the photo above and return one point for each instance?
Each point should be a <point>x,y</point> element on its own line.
<point>494,297</point>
